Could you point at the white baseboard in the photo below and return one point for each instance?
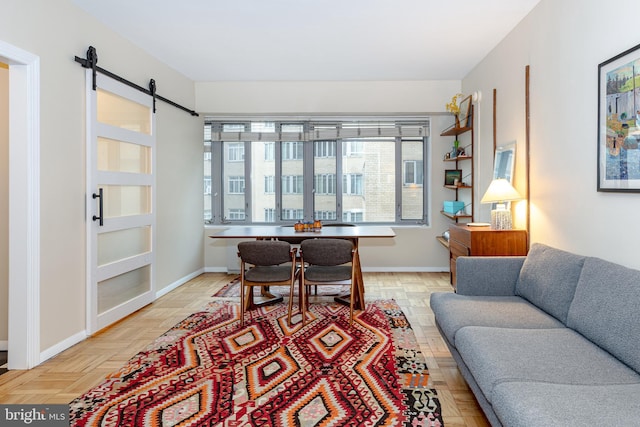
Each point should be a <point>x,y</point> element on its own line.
<point>4,345</point>
<point>405,269</point>
<point>62,346</point>
<point>215,269</point>
<point>178,283</point>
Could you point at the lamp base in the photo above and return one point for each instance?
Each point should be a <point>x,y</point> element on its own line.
<point>501,219</point>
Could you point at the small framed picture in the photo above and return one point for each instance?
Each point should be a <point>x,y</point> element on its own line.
<point>452,176</point>
<point>464,115</point>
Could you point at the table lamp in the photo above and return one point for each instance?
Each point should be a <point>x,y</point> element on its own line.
<point>500,191</point>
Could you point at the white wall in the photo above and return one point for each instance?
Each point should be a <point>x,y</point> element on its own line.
<point>179,200</point>
<point>563,41</point>
<point>56,33</point>
<point>362,97</point>
<point>414,248</point>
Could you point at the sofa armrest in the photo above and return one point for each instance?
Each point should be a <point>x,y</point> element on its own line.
<point>488,276</point>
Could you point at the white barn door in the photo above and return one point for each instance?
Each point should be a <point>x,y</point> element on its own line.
<point>120,201</point>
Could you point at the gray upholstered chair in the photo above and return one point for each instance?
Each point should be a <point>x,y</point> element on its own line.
<point>327,262</point>
<point>265,263</point>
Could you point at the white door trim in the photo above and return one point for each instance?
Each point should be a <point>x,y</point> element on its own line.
<point>24,207</point>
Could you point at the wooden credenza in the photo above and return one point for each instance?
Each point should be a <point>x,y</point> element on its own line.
<point>483,241</point>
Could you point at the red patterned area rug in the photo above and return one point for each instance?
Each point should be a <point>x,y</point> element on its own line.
<point>209,371</point>
<point>232,289</point>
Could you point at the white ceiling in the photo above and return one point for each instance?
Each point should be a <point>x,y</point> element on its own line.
<point>340,40</point>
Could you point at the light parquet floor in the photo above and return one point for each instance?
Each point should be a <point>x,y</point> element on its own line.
<point>73,372</point>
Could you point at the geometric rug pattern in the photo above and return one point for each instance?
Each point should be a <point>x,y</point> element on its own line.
<point>208,370</point>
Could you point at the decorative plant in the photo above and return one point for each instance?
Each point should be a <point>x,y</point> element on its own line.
<point>452,106</point>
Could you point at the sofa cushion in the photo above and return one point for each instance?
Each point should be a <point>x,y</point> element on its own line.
<point>526,404</point>
<point>548,279</point>
<point>606,309</point>
<point>562,356</point>
<point>487,275</point>
<point>454,311</point>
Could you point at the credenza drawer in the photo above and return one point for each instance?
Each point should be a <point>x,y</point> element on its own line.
<point>461,235</point>
<point>457,249</point>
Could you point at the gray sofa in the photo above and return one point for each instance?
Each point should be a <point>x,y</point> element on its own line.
<point>550,339</point>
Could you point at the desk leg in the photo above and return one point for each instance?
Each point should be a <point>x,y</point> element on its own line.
<point>265,298</point>
<point>358,303</point>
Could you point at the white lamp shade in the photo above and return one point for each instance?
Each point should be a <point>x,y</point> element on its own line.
<point>500,190</point>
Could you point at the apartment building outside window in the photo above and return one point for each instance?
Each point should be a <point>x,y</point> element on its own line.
<point>361,171</point>
<point>236,152</point>
<point>412,172</point>
<point>236,184</point>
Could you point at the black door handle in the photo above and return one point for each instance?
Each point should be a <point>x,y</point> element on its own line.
<point>100,207</point>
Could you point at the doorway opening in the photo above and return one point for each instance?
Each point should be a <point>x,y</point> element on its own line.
<point>24,207</point>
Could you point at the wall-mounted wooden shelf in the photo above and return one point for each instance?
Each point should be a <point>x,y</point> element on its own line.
<point>457,187</point>
<point>459,158</point>
<point>455,217</point>
<point>467,188</point>
<point>444,242</point>
<point>455,131</point>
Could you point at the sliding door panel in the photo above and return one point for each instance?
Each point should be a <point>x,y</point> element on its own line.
<point>121,200</point>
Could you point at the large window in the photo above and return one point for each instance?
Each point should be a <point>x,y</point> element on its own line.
<point>359,171</point>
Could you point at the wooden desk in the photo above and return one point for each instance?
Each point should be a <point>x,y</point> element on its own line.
<point>351,233</point>
<point>271,232</point>
<point>483,241</point>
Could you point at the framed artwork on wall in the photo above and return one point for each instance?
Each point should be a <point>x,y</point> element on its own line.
<point>464,115</point>
<point>619,122</point>
<point>504,161</point>
<point>452,176</point>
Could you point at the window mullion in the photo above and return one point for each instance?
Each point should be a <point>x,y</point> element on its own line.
<point>308,180</point>
<point>248,217</point>
<point>217,190</point>
<point>278,179</point>
<point>339,186</point>
<point>399,178</point>
<point>426,181</point>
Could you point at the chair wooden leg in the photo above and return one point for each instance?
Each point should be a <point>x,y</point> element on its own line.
<point>242,303</point>
<point>290,304</point>
<point>302,301</point>
<point>354,286</point>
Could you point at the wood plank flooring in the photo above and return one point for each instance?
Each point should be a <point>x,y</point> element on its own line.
<point>76,370</point>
